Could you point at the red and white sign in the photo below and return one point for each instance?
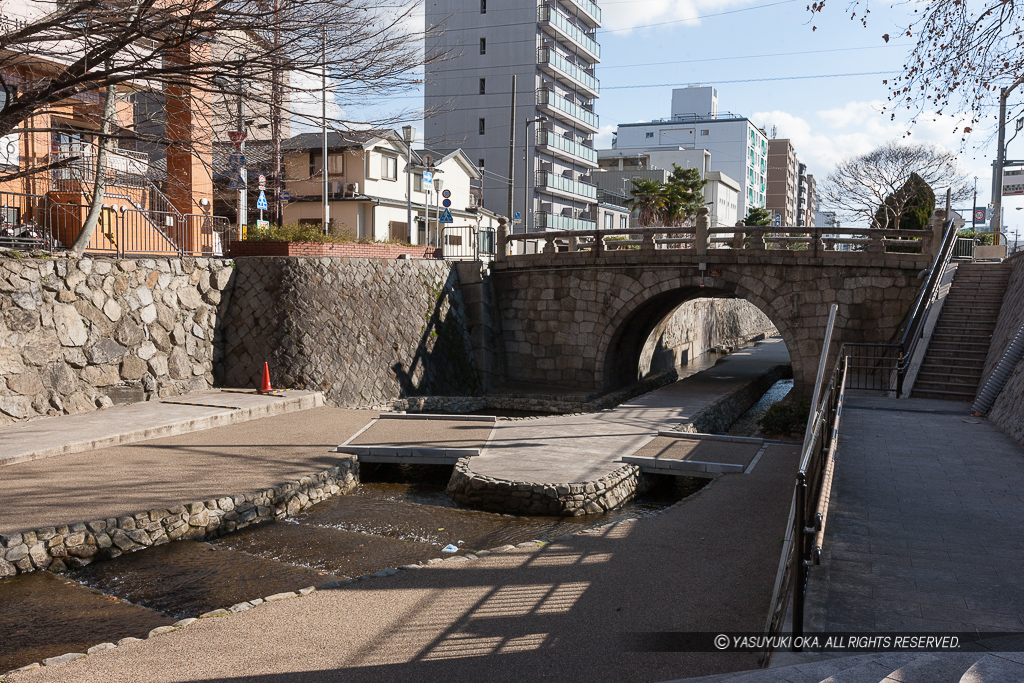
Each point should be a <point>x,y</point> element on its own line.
<point>237,137</point>
<point>263,181</point>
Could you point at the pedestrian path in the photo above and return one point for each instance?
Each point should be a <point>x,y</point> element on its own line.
<point>140,421</point>
<point>579,448</point>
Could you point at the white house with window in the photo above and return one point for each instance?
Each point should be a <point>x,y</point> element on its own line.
<point>367,187</point>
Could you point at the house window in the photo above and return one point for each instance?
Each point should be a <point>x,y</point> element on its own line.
<point>483,6</point>
<point>483,127</point>
<point>608,220</point>
<point>417,182</point>
<point>480,165</point>
<point>650,135</point>
<point>483,86</point>
<point>622,223</point>
<point>388,167</point>
<point>483,46</point>
<point>705,131</point>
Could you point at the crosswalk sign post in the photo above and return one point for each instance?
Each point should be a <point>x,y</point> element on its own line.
<point>446,217</point>
<point>261,203</point>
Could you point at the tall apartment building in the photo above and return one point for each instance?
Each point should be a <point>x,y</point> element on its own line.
<point>739,149</point>
<point>807,197</point>
<point>783,172</point>
<point>549,45</point>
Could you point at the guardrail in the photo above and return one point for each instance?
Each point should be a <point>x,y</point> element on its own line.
<point>466,242</point>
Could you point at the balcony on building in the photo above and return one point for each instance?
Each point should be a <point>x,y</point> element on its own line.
<point>561,28</point>
<point>584,10</point>
<point>559,107</point>
<point>571,75</point>
<point>562,147</point>
<point>561,186</point>
<point>543,220</point>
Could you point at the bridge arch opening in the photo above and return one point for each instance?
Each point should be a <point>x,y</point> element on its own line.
<point>645,337</point>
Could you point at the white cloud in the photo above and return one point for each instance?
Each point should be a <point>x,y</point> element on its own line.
<point>603,139</point>
<point>628,14</point>
<point>306,103</point>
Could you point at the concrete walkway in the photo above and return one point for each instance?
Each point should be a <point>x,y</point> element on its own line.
<point>140,421</point>
<point>926,530</point>
<point>121,480</point>
<point>579,448</point>
<point>552,613</point>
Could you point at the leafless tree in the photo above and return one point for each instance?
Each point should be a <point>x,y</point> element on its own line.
<point>81,54</point>
<point>860,186</point>
<point>965,51</point>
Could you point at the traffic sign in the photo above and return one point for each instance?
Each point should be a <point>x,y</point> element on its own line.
<point>446,194</point>
<point>261,203</point>
<point>979,215</point>
<point>446,217</point>
<point>428,161</point>
<point>517,216</point>
<point>263,181</point>
<point>286,196</point>
<point>237,137</point>
<point>263,225</point>
<point>446,203</point>
<point>428,178</point>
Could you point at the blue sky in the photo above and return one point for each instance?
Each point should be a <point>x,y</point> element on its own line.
<point>758,54</point>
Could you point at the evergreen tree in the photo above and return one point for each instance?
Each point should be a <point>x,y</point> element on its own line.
<point>758,217</point>
<point>909,208</point>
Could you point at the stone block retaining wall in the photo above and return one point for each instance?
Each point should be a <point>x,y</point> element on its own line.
<point>524,498</point>
<point>316,250</point>
<point>76,545</point>
<point>79,334</point>
<point>363,331</point>
<point>698,326</point>
<point>1008,408</point>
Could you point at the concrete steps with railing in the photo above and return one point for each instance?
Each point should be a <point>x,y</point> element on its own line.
<point>888,667</point>
<point>955,358</point>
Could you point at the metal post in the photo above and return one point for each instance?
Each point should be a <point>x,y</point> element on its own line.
<point>512,154</point>
<point>408,133</point>
<point>275,119</point>
<point>997,169</point>
<point>526,176</point>
<point>323,122</point>
<point>243,192</point>
<point>974,211</point>
<point>799,568</point>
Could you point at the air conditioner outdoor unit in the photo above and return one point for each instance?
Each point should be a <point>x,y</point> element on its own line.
<point>352,189</point>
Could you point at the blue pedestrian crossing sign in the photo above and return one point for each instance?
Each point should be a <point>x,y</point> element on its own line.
<point>261,203</point>
<point>446,217</point>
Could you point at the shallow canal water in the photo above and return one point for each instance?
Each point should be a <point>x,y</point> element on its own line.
<point>747,424</point>
<point>398,515</point>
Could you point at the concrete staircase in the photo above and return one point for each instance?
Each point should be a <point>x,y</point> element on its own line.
<point>889,667</point>
<point>956,353</point>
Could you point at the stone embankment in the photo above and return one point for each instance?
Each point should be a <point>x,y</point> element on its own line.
<point>76,545</point>
<point>561,500</point>
<point>82,334</point>
<point>1009,405</point>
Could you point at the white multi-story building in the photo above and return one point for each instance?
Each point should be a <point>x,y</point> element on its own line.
<point>549,46</point>
<point>738,148</point>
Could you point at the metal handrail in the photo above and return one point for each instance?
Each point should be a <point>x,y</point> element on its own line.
<point>922,306</point>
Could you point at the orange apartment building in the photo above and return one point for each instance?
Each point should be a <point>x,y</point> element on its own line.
<point>153,204</point>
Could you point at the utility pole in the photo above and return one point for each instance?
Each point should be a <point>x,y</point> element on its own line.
<point>526,171</point>
<point>974,211</point>
<point>275,116</point>
<point>512,155</point>
<point>408,133</point>
<point>323,123</point>
<point>243,192</point>
<point>997,169</point>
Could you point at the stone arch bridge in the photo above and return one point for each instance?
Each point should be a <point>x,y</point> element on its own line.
<point>579,312</point>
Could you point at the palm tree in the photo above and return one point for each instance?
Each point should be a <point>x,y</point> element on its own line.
<point>647,198</point>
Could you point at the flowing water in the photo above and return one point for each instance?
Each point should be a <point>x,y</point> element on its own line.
<point>747,424</point>
<point>398,515</point>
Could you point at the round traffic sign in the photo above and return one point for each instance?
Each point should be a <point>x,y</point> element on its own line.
<point>446,203</point>
<point>428,160</point>
<point>446,194</point>
<point>263,181</point>
<point>979,215</point>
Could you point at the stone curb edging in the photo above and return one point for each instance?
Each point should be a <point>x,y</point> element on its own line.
<point>563,500</point>
<point>529,402</point>
<point>719,415</point>
<point>59,547</point>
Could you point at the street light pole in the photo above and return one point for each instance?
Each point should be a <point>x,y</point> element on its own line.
<point>997,169</point>
<point>323,123</point>
<point>408,133</point>
<point>437,212</point>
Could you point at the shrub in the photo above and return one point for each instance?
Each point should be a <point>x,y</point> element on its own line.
<point>785,418</point>
<point>295,232</point>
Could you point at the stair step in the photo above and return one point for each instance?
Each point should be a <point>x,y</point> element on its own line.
<point>993,669</point>
<point>932,376</point>
<point>944,667</point>
<point>952,387</point>
<point>872,671</point>
<point>944,395</point>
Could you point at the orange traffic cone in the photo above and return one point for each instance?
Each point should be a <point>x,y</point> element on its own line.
<point>265,386</point>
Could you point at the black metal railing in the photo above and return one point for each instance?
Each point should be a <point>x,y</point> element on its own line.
<point>874,367</point>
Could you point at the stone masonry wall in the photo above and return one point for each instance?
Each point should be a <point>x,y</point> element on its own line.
<point>698,326</point>
<point>1008,410</point>
<point>363,331</point>
<point>81,334</point>
<point>75,545</point>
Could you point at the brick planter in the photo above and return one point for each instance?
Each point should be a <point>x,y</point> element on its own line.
<point>317,249</point>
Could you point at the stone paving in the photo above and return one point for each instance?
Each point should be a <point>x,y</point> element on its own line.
<point>924,531</point>
<point>578,448</point>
